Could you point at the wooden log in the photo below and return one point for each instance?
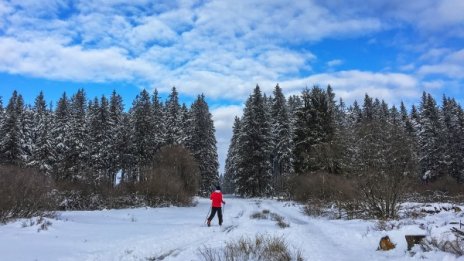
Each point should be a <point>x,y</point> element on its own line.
<point>413,240</point>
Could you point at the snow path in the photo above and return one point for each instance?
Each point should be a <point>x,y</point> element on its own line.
<point>176,233</point>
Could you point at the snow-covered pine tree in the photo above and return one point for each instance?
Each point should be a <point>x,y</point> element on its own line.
<point>142,132</point>
<point>173,118</point>
<point>117,147</point>
<point>60,139</point>
<point>159,134</point>
<point>314,131</point>
<point>1,110</point>
<point>201,142</point>
<point>407,123</point>
<point>100,141</point>
<point>184,125</point>
<point>281,138</point>
<point>253,176</point>
<point>27,134</point>
<point>42,156</point>
<point>454,135</point>
<point>79,151</point>
<point>430,139</point>
<point>231,167</point>
<point>11,132</point>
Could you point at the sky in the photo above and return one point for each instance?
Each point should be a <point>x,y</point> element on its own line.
<point>391,49</point>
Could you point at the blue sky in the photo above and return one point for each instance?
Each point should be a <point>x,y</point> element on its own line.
<point>391,49</point>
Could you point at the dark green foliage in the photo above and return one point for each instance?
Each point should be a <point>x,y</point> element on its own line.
<point>314,130</point>
<point>201,141</point>
<point>253,175</point>
<point>11,132</point>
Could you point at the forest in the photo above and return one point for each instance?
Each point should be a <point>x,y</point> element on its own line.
<point>367,157</point>
<point>92,153</point>
<point>88,154</point>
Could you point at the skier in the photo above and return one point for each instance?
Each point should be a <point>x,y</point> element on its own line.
<point>216,197</point>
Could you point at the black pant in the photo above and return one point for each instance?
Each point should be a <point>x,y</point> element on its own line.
<point>213,212</point>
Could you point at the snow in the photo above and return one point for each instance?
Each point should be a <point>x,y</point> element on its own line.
<point>176,233</point>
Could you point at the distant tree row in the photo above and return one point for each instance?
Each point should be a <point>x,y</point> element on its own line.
<point>90,141</point>
<point>277,138</point>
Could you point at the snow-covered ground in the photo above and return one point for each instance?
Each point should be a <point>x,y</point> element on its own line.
<point>176,233</point>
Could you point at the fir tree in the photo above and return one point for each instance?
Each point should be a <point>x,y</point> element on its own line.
<point>100,141</point>
<point>11,131</point>
<point>117,146</point>
<point>253,177</point>
<point>430,140</point>
<point>454,135</point>
<point>173,118</point>
<point>61,142</point>
<point>202,144</point>
<point>282,146</point>
<point>231,166</point>
<point>42,156</point>
<point>79,155</point>
<point>142,131</point>
<point>314,131</point>
<point>158,121</point>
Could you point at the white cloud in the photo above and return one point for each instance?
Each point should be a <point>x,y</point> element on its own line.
<point>451,65</point>
<point>49,59</point>
<point>333,63</point>
<point>352,85</point>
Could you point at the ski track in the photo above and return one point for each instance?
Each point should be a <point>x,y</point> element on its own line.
<point>176,233</point>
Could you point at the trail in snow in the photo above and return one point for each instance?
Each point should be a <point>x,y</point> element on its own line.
<point>176,233</point>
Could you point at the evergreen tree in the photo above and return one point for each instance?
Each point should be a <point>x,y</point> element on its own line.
<point>42,156</point>
<point>158,121</point>
<point>314,131</point>
<point>253,177</point>
<point>79,154</point>
<point>117,147</point>
<point>61,141</point>
<point>454,135</point>
<point>231,166</point>
<point>281,138</point>
<point>173,118</point>
<point>184,124</point>
<point>142,132</point>
<point>202,144</point>
<point>27,134</point>
<point>100,141</point>
<point>11,132</point>
<point>430,139</point>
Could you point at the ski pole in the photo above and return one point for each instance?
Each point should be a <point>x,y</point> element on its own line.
<point>209,212</point>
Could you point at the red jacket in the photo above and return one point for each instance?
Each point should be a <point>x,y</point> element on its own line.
<point>216,197</point>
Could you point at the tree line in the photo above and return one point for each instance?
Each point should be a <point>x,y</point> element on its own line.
<point>277,139</point>
<point>94,141</point>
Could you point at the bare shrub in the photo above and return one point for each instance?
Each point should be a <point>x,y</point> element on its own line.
<point>24,193</point>
<point>455,246</point>
<point>173,177</point>
<point>260,248</point>
<point>320,191</point>
<point>444,189</point>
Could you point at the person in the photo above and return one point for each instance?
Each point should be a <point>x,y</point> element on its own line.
<point>216,197</point>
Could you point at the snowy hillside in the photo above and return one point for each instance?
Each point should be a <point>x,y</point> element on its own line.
<point>177,233</point>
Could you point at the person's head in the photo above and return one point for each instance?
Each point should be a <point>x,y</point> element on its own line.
<point>218,187</point>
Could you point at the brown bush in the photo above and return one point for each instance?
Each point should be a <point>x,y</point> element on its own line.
<point>259,248</point>
<point>321,190</point>
<point>443,189</point>
<point>24,193</point>
<point>173,177</point>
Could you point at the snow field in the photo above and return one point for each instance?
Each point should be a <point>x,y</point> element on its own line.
<point>176,233</point>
